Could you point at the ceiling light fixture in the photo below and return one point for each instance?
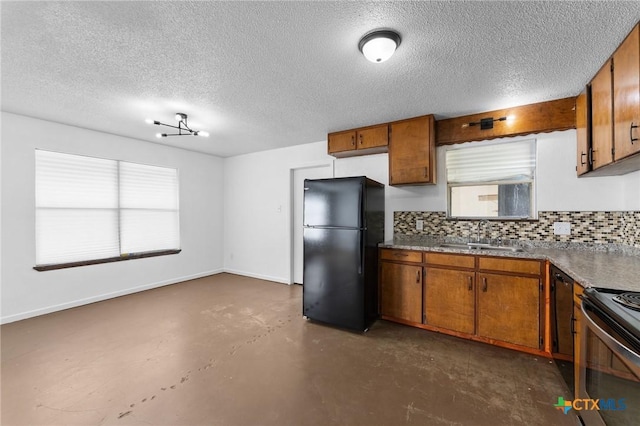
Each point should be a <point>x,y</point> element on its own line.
<point>378,45</point>
<point>183,128</point>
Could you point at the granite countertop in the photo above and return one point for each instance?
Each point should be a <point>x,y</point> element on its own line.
<point>616,269</point>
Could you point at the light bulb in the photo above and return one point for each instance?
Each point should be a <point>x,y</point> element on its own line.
<point>379,49</point>
<point>148,121</point>
<point>202,133</point>
<point>158,135</point>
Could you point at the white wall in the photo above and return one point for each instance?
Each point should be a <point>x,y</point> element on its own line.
<point>560,190</point>
<point>235,213</point>
<point>257,196</point>
<point>26,292</point>
<point>258,211</point>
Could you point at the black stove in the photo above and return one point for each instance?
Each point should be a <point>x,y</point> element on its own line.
<point>629,299</point>
<point>621,309</point>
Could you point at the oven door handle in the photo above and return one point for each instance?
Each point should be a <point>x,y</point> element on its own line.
<point>627,356</point>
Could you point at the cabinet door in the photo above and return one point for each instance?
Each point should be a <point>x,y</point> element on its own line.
<point>626,96</point>
<point>373,137</point>
<point>561,306</point>
<point>577,344</point>
<point>401,291</point>
<point>602,117</point>
<point>342,141</point>
<point>412,151</point>
<point>583,131</point>
<point>449,299</point>
<point>509,309</point>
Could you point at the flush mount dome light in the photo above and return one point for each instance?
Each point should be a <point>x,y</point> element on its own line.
<point>378,46</point>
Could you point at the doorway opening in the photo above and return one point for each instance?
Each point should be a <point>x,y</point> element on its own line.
<point>298,175</point>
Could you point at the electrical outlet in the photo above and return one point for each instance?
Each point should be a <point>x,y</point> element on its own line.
<point>419,224</point>
<point>561,228</point>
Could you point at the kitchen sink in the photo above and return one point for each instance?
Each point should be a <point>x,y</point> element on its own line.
<point>455,246</point>
<point>479,246</point>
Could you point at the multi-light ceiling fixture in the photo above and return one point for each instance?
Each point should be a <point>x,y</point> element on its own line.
<point>183,128</point>
<point>378,45</point>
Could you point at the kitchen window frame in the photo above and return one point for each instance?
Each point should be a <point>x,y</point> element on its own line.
<point>532,193</point>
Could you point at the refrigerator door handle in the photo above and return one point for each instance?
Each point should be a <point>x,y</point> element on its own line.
<point>361,254</point>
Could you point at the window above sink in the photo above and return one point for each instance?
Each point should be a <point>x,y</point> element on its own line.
<point>492,180</point>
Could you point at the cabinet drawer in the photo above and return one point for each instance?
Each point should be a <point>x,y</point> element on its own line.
<point>520,266</point>
<point>454,260</point>
<point>401,255</point>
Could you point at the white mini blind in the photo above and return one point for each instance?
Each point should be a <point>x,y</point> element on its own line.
<point>491,163</point>
<point>149,218</point>
<point>91,209</point>
<point>76,208</point>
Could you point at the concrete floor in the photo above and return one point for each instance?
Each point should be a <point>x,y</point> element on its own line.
<point>231,350</point>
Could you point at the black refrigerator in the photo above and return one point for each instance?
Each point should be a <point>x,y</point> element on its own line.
<point>343,224</point>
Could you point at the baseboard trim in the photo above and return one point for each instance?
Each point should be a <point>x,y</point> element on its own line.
<point>105,296</point>
<point>258,276</point>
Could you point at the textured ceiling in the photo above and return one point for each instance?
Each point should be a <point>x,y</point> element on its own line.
<point>262,75</point>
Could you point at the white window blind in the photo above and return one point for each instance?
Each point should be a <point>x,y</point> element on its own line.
<point>513,161</point>
<point>91,209</point>
<point>148,208</point>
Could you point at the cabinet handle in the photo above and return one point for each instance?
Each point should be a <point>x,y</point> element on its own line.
<point>582,155</point>
<point>417,277</point>
<point>631,133</point>
<point>484,284</point>
<point>399,254</point>
<point>470,283</point>
<point>559,277</point>
<point>360,136</point>
<point>353,140</point>
<point>593,157</point>
<point>426,172</point>
<point>572,326</point>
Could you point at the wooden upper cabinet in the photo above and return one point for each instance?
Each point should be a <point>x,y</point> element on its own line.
<point>372,137</point>
<point>602,117</point>
<point>615,113</point>
<point>367,140</point>
<point>412,151</point>
<point>626,96</point>
<point>341,141</point>
<point>583,131</point>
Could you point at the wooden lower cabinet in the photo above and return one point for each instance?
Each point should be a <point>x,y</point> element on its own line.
<point>449,299</point>
<point>508,309</point>
<point>496,300</point>
<point>401,291</point>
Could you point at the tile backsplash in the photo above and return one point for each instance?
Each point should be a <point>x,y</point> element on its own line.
<point>621,227</point>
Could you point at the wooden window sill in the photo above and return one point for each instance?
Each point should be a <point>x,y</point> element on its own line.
<point>131,256</point>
